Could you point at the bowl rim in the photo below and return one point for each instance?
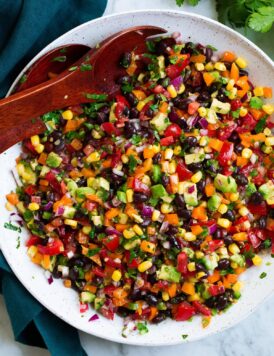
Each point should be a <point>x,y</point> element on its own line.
<point>178,13</point>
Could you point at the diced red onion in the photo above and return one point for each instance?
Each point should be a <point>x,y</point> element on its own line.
<point>70,254</point>
<point>115,202</point>
<point>203,123</point>
<point>94,317</point>
<point>140,148</point>
<point>147,211</point>
<point>164,227</point>
<point>203,132</point>
<point>117,172</point>
<point>191,189</point>
<point>212,228</point>
<point>176,82</point>
<point>48,206</point>
<point>166,245</point>
<point>111,231</point>
<point>60,210</point>
<point>192,120</point>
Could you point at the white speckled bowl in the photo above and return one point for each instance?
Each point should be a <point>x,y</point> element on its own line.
<point>64,302</point>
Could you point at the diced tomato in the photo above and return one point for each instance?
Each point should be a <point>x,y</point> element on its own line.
<point>83,307</point>
<point>53,181</point>
<point>183,172</point>
<point>108,290</point>
<point>166,141</point>
<point>33,240</point>
<point>139,186</point>
<point>30,190</point>
<point>254,238</point>
<point>246,124</point>
<point>174,70</point>
<point>216,290</point>
<point>131,262</point>
<point>116,158</point>
<point>142,115</point>
<point>173,130</point>
<point>158,89</point>
<point>98,272</point>
<point>215,244</point>
<point>90,205</point>
<point>235,104</point>
<point>110,129</point>
<point>107,313</point>
<point>184,312</point>
<point>227,171</point>
<point>29,146</point>
<point>225,154</point>
<point>182,261</point>
<point>121,104</point>
<point>258,209</point>
<point>225,132</point>
<point>193,107</point>
<point>201,308</point>
<point>52,248</point>
<point>111,242</point>
<point>110,262</point>
<point>261,173</point>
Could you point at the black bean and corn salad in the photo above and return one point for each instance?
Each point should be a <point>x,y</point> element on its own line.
<point>151,204</point>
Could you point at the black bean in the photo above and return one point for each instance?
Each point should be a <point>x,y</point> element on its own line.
<point>150,112</point>
<point>165,180</point>
<point>241,180</point>
<point>200,267</point>
<point>224,263</point>
<point>174,242</point>
<point>135,295</point>
<point>243,72</point>
<point>131,98</point>
<point>196,244</point>
<point>134,113</point>
<point>125,79</point>
<point>190,141</point>
<point>184,213</point>
<point>234,137</point>
<point>60,146</point>
<point>73,273</point>
<point>221,301</point>
<point>152,278</point>
<point>209,54</point>
<point>100,118</point>
<point>159,318</point>
<point>151,299</point>
<point>178,299</point>
<point>172,230</point>
<point>204,96</point>
<point>238,149</point>
<point>211,302</point>
<point>157,158</point>
<point>271,213</point>
<point>181,103</point>
<point>139,197</point>
<point>230,215</point>
<point>201,185</point>
<point>256,198</point>
<point>48,146</point>
<point>130,129</point>
<point>228,240</point>
<point>194,167</point>
<point>180,201</point>
<point>261,222</point>
<point>221,95</point>
<point>125,59</point>
<point>124,312</point>
<point>219,234</point>
<point>161,47</point>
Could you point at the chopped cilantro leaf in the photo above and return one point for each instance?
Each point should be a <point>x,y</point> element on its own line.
<point>59,59</point>
<point>99,97</point>
<point>260,125</point>
<point>263,275</point>
<point>135,139</point>
<point>132,163</point>
<point>85,67</point>
<point>184,336</point>
<point>142,328</point>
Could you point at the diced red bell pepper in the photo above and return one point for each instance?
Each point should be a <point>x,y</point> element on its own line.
<point>27,143</point>
<point>107,313</point>
<point>53,181</point>
<point>142,115</point>
<point>215,244</point>
<point>52,248</point>
<point>216,290</point>
<point>173,130</point>
<point>226,171</point>
<point>30,190</point>
<point>174,70</point>
<point>98,272</point>
<point>116,158</point>
<point>183,172</point>
<point>201,308</point>
<point>110,129</point>
<point>185,311</point>
<point>225,132</point>
<point>131,262</point>
<point>247,124</point>
<point>121,103</point>
<point>182,261</point>
<point>108,290</point>
<point>139,186</point>
<point>111,242</point>
<point>83,307</point>
<point>33,240</point>
<point>235,104</point>
<point>254,238</point>
<point>166,141</point>
<point>258,209</point>
<point>110,262</point>
<point>225,154</point>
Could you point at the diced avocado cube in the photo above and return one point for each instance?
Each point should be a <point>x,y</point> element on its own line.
<point>158,191</point>
<point>44,171</point>
<point>210,261</point>
<point>72,186</point>
<point>267,191</point>
<point>239,259</point>
<point>169,273</point>
<point>132,244</point>
<point>97,220</point>
<point>156,173</point>
<point>103,183</point>
<point>225,184</point>
<point>53,160</point>
<point>214,202</point>
<point>98,302</point>
<point>190,194</point>
<point>87,297</point>
<point>69,212</point>
<point>220,107</point>
<point>160,121</point>
<point>83,191</point>
<point>250,189</point>
<point>194,158</point>
<point>211,116</point>
<point>122,196</point>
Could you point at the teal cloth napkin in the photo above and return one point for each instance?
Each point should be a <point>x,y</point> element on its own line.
<point>26,26</point>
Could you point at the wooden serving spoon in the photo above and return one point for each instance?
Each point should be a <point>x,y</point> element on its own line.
<point>72,86</point>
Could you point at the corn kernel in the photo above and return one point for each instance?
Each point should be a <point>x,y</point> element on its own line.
<point>233,248</point>
<point>168,153</point>
<point>222,209</point>
<point>123,218</point>
<point>129,195</point>
<point>144,266</point>
<point>156,148</point>
<point>247,153</point>
<point>203,141</point>
<point>266,149</point>
<point>138,230</point>
<point>182,88</point>
<point>191,266</point>
<point>189,236</point>
<point>33,206</point>
<point>202,111</point>
<point>155,215</point>
<point>67,115</point>
<point>32,250</point>
<point>200,274</point>
<point>268,109</point>
<point>269,141</point>
<point>172,91</point>
<point>177,150</point>
<point>74,162</point>
<point>243,111</point>
<point>209,66</point>
<point>241,63</point>
<point>257,261</point>
<point>199,67</point>
<point>181,188</point>
<point>233,93</point>
<point>9,206</point>
<point>225,223</point>
<point>39,148</point>
<point>267,131</point>
<point>230,84</point>
<point>93,157</point>
<point>234,265</point>
<point>35,140</point>
<point>165,296</point>
<point>199,254</point>
<point>220,66</point>
<point>146,180</point>
<point>243,211</point>
<point>237,286</point>
<point>86,229</point>
<point>181,232</point>
<point>172,167</point>
<point>166,208</point>
<point>234,196</point>
<point>140,105</point>
<point>208,149</point>
<point>116,276</point>
<point>258,91</point>
<point>96,134</point>
<point>128,234</point>
<point>197,177</point>
<point>124,158</point>
<point>137,218</point>
<point>195,297</point>
<point>71,222</point>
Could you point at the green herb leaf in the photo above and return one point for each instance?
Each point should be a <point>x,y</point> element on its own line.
<point>262,20</point>
<point>193,2</point>
<point>99,97</point>
<point>85,67</point>
<point>260,125</point>
<point>135,139</point>
<point>184,336</point>
<point>18,242</point>
<point>142,328</point>
<point>23,79</point>
<point>12,227</point>
<point>263,275</point>
<point>180,2</point>
<point>132,163</point>
<point>59,59</point>
<point>93,252</point>
<point>256,103</point>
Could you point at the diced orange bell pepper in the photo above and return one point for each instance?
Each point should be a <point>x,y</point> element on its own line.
<point>234,72</point>
<point>172,219</point>
<point>12,198</point>
<point>199,213</point>
<point>228,57</point>
<point>188,288</point>
<point>208,78</point>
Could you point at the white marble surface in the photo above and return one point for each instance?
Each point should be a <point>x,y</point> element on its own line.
<point>252,337</point>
